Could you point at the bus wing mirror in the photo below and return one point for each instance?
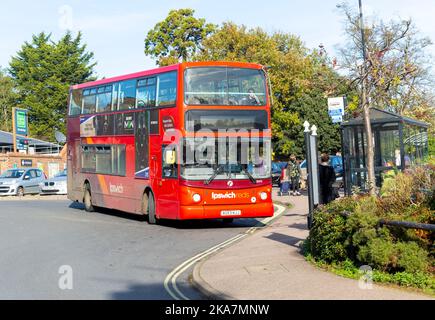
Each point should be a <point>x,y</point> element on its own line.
<point>170,157</point>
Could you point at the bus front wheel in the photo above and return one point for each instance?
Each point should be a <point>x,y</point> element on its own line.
<point>87,199</point>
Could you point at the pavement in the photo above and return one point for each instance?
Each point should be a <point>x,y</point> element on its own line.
<point>269,265</point>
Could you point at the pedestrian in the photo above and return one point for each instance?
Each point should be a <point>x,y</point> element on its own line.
<point>294,174</point>
<point>326,180</point>
<point>283,182</point>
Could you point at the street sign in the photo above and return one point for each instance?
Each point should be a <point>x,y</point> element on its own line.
<point>26,162</point>
<point>21,122</point>
<point>336,108</point>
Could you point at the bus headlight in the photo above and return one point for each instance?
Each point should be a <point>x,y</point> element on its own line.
<point>253,199</point>
<point>263,195</point>
<point>196,197</point>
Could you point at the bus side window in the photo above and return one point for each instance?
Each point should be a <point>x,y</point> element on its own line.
<point>167,89</point>
<point>75,107</point>
<point>89,101</point>
<point>127,95</point>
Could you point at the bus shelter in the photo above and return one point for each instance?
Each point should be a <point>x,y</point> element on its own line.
<point>399,142</point>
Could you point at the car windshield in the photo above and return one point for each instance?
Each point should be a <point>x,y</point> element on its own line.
<point>12,174</point>
<point>61,174</point>
<point>336,161</point>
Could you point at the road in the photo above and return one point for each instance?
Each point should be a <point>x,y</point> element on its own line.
<point>112,255</point>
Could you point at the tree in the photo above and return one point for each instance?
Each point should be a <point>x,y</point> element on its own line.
<point>177,38</point>
<point>43,71</point>
<point>301,81</point>
<point>7,100</point>
<point>392,75</point>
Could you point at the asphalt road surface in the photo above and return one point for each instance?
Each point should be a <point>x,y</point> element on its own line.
<point>112,255</point>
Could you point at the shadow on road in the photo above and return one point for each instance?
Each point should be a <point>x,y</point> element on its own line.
<point>177,224</point>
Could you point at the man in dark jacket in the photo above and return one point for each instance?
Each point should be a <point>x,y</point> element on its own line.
<point>326,180</point>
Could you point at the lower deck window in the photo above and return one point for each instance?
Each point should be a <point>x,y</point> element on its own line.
<point>103,159</point>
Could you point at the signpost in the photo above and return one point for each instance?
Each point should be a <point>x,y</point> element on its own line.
<point>19,126</point>
<point>336,108</point>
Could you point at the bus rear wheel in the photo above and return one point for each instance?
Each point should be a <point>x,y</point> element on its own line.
<point>87,199</point>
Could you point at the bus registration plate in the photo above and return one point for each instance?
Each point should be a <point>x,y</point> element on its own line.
<point>231,213</point>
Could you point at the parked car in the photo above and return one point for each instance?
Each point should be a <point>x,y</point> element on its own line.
<point>21,181</point>
<point>55,185</point>
<point>276,172</point>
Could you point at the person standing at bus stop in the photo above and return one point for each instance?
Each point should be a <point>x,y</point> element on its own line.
<point>294,174</point>
<point>326,180</point>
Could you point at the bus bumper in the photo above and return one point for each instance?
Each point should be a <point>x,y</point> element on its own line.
<point>260,210</point>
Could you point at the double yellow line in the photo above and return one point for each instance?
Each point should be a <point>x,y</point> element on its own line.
<point>170,282</point>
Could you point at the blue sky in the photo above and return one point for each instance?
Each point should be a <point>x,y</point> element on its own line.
<point>115,30</point>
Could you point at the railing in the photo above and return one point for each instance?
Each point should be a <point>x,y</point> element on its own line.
<point>403,224</point>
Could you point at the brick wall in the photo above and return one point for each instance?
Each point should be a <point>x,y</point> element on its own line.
<point>50,164</point>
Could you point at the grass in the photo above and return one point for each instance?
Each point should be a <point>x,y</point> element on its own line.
<point>420,282</point>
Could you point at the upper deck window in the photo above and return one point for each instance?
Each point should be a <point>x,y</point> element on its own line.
<point>104,99</point>
<point>225,86</point>
<point>75,105</point>
<point>167,89</point>
<point>127,95</point>
<point>89,101</point>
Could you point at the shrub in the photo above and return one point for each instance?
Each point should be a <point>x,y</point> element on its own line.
<point>327,237</point>
<point>385,255</point>
<point>411,257</point>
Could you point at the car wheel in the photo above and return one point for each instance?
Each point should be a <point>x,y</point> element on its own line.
<point>20,192</point>
<point>87,199</point>
<point>151,209</point>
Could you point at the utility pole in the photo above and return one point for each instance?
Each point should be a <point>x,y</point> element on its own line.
<point>14,133</point>
<point>371,179</point>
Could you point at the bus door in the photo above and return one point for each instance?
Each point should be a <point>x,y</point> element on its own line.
<point>73,165</point>
<point>168,184</point>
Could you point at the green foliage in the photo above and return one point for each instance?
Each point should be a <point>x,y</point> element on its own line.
<point>327,237</point>
<point>396,54</point>
<point>42,72</point>
<point>300,78</point>
<point>386,255</point>
<point>431,142</point>
<point>357,236</point>
<point>177,38</point>
<point>8,99</point>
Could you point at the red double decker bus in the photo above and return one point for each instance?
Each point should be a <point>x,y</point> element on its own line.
<point>187,141</point>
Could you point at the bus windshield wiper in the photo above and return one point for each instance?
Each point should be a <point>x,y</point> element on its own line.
<point>250,176</point>
<point>214,175</point>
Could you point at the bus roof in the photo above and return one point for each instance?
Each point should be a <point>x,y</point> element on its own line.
<point>165,69</point>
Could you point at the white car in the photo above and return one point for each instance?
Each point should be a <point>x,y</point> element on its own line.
<point>55,185</point>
